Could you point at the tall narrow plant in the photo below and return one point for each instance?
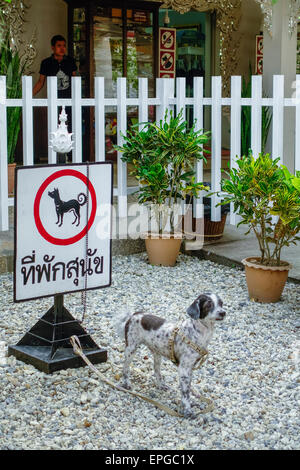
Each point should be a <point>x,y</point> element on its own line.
<point>266,119</point>
<point>260,189</point>
<point>11,67</point>
<point>13,64</point>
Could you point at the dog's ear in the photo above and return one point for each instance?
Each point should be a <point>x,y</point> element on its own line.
<point>200,307</point>
<point>194,311</point>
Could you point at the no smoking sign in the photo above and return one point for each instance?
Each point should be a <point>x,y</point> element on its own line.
<point>167,61</point>
<point>167,52</point>
<point>58,246</point>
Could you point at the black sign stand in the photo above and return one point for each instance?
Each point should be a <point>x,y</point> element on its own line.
<point>47,344</point>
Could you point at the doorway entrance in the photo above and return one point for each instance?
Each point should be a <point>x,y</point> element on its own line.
<point>193,45</point>
<point>124,41</point>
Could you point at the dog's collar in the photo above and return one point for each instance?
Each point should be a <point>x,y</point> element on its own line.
<point>201,351</point>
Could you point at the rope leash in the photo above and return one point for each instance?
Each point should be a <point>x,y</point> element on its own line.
<point>203,353</point>
<point>74,340</point>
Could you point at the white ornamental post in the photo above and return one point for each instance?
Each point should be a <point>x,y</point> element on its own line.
<point>61,141</point>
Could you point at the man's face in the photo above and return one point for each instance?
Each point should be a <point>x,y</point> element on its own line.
<point>59,50</point>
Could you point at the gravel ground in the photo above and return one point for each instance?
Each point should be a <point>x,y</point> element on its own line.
<point>252,374</point>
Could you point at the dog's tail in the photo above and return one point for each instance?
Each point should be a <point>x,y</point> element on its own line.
<point>119,323</point>
<point>81,198</point>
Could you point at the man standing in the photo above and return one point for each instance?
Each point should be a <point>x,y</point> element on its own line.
<point>59,65</point>
<point>63,67</point>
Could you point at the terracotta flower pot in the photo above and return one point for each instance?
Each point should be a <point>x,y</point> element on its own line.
<point>11,167</point>
<point>205,228</point>
<point>162,251</point>
<point>265,283</point>
<point>214,230</point>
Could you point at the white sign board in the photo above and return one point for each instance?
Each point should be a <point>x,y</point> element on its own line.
<point>60,244</point>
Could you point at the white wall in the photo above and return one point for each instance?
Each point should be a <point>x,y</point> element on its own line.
<point>49,17</point>
<point>280,59</point>
<point>250,26</point>
<point>244,40</point>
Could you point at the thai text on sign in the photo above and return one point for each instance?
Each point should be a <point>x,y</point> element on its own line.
<point>58,246</point>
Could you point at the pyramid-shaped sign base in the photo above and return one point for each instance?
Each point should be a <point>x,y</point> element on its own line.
<point>47,345</point>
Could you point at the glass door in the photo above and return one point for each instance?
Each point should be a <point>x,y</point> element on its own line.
<point>139,53</point>
<point>139,56</point>
<point>123,46</point>
<point>79,47</point>
<point>108,47</point>
<point>193,50</point>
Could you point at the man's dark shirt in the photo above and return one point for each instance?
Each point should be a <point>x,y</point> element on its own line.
<point>63,70</point>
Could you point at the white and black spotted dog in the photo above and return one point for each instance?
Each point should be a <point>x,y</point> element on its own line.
<point>155,332</point>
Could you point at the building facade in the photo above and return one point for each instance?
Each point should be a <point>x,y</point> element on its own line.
<point>213,37</point>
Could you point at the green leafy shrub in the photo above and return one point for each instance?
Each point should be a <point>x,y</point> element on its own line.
<point>163,158</point>
<point>13,66</point>
<point>259,190</point>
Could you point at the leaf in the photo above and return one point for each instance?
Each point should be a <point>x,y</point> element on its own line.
<point>296,183</point>
<point>163,157</point>
<point>260,189</point>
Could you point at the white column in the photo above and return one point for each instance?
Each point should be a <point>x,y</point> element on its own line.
<point>280,59</point>
<point>3,157</point>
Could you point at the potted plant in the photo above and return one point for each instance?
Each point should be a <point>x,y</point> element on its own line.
<point>209,231</point>
<point>213,230</point>
<point>10,66</point>
<point>162,157</point>
<point>13,64</point>
<point>267,197</point>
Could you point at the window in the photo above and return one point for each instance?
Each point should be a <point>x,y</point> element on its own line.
<point>123,47</point>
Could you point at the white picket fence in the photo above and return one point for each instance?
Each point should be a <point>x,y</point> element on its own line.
<point>165,99</point>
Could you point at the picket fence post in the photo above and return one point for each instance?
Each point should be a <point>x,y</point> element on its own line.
<point>256,83</point>
<point>199,125</point>
<point>27,118</point>
<point>3,158</point>
<point>122,166</point>
<point>76,120</point>
<point>278,117</point>
<point>99,120</point>
<point>216,147</point>
<point>164,92</point>
<point>165,100</point>
<point>235,126</point>
<point>297,124</point>
<point>52,115</point>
